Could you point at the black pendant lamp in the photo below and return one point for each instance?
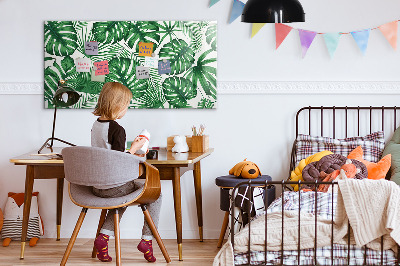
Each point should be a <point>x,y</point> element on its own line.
<point>273,11</point>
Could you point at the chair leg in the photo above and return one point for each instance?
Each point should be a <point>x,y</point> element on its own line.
<point>73,237</point>
<point>223,229</point>
<point>101,222</point>
<point>117,238</point>
<point>154,230</point>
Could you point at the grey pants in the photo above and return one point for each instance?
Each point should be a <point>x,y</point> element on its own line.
<point>153,208</point>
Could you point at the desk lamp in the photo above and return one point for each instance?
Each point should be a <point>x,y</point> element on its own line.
<point>63,97</point>
<point>273,11</point>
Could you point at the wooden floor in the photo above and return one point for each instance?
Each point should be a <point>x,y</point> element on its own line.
<point>50,252</point>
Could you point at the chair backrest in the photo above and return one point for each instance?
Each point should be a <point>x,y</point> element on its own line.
<point>92,166</point>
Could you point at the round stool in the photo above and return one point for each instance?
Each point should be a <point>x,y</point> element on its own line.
<point>228,182</point>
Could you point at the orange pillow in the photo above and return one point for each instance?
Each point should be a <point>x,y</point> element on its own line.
<point>375,170</point>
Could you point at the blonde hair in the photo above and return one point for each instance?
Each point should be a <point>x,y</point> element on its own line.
<point>113,98</point>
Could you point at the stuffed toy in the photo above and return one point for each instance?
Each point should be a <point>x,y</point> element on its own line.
<point>180,144</point>
<point>375,170</point>
<point>13,215</point>
<point>348,170</point>
<point>296,174</point>
<point>245,169</point>
<point>328,164</point>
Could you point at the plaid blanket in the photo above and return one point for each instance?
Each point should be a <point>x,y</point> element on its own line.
<point>322,204</point>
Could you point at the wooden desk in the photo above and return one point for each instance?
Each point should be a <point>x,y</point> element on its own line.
<point>171,167</point>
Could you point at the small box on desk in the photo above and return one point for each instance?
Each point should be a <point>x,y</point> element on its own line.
<point>200,143</point>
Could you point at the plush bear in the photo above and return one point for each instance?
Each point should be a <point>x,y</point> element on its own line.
<point>245,169</point>
<point>13,215</point>
<point>180,144</point>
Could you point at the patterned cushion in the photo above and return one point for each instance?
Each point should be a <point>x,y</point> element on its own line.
<point>372,144</point>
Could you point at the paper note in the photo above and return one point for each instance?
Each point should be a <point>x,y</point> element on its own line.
<point>151,62</point>
<point>92,48</point>
<point>101,68</point>
<point>145,48</point>
<point>164,67</point>
<point>142,72</point>
<point>101,78</point>
<point>83,64</point>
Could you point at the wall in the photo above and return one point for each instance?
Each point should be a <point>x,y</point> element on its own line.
<point>255,126</point>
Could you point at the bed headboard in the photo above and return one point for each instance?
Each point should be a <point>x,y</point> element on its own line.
<point>344,121</point>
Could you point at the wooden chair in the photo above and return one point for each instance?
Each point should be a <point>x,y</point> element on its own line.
<point>85,167</point>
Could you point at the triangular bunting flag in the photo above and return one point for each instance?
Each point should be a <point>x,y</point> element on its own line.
<point>255,28</point>
<point>361,38</point>
<point>306,39</point>
<point>281,31</point>
<point>332,41</point>
<point>390,32</point>
<point>213,2</point>
<point>237,9</point>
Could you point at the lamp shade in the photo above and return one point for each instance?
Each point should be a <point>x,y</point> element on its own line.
<point>273,11</point>
<point>65,96</point>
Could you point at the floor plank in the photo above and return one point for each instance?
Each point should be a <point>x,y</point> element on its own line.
<point>49,252</point>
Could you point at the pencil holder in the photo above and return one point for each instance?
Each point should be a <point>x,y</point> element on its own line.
<point>200,143</point>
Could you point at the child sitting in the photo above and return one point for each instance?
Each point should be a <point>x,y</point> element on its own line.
<point>107,133</point>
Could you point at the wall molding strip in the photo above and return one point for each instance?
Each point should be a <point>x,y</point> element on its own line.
<point>259,87</point>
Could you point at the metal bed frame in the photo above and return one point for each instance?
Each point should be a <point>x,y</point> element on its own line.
<point>284,184</point>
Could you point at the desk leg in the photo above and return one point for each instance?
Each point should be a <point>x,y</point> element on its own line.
<point>199,204</point>
<point>60,190</point>
<point>176,182</point>
<point>27,206</point>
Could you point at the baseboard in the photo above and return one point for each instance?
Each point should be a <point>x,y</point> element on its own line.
<point>259,87</point>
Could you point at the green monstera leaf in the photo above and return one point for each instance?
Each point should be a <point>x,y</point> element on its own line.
<point>211,36</point>
<point>204,74</point>
<point>205,104</point>
<point>178,91</point>
<point>60,38</point>
<point>142,31</point>
<point>179,53</point>
<point>123,70</point>
<point>66,70</point>
<point>110,31</point>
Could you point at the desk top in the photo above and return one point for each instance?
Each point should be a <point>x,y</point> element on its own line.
<point>164,157</point>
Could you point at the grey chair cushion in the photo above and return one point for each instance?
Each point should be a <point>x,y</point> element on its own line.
<point>83,196</point>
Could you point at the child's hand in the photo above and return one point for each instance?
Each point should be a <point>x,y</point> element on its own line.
<point>137,144</point>
<point>142,155</point>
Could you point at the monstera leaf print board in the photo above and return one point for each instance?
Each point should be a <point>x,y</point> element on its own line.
<point>166,64</point>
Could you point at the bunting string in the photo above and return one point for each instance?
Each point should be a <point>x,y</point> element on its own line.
<point>361,37</point>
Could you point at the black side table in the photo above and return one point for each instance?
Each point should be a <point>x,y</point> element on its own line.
<point>228,182</point>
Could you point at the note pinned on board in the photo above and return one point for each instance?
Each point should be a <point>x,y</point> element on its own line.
<point>91,48</point>
<point>101,68</point>
<point>142,72</point>
<point>151,62</point>
<point>145,48</point>
<point>83,64</point>
<point>100,78</point>
<point>164,67</point>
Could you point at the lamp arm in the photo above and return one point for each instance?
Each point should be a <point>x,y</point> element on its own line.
<point>54,126</point>
<point>51,140</point>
